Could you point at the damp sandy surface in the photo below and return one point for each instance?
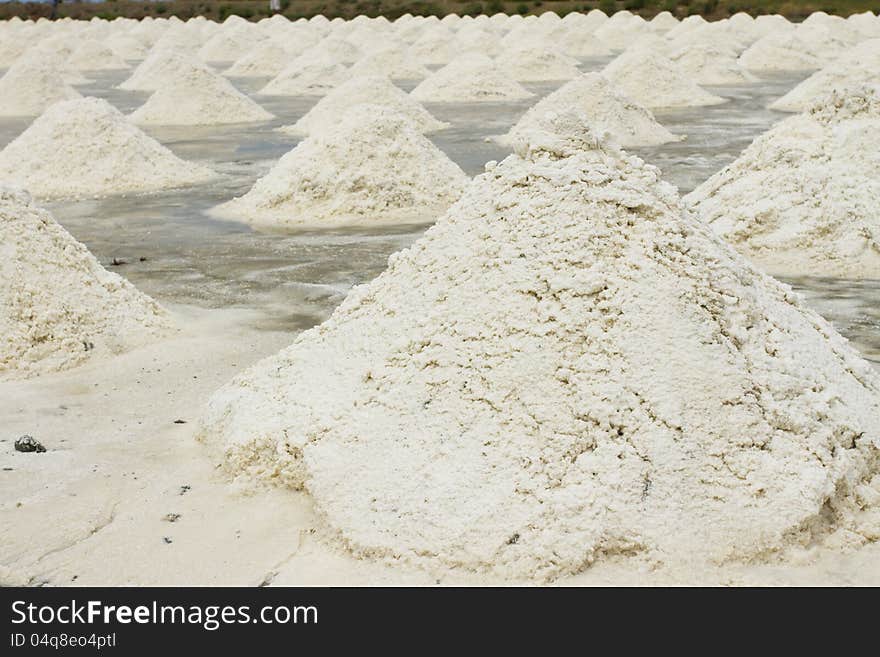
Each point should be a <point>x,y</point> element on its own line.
<point>122,457</point>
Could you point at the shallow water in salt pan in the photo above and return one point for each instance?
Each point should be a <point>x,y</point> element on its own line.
<point>172,250</point>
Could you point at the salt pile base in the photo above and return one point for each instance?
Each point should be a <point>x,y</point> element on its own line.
<point>58,306</point>
<point>372,167</point>
<point>567,367</point>
<point>86,147</point>
<point>803,198</point>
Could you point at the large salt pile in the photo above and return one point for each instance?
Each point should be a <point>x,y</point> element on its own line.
<point>654,81</point>
<point>159,67</point>
<point>86,147</point>
<point>535,64</point>
<point>567,367</point>
<point>198,96</point>
<point>856,67</point>
<point>307,76</point>
<point>58,306</point>
<point>712,65</point>
<point>372,166</point>
<point>367,89</point>
<point>470,78</point>
<point>28,88</point>
<point>93,55</point>
<point>626,123</point>
<point>803,198</point>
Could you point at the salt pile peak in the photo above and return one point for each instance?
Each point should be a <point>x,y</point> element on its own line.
<point>372,166</point>
<point>86,147</point>
<point>566,367</point>
<point>58,306</point>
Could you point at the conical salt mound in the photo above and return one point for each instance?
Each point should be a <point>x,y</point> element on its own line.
<point>198,96</point>
<point>779,53</point>
<point>566,367</point>
<point>58,306</point>
<point>626,123</point>
<point>93,55</point>
<point>159,67</point>
<point>372,167</point>
<point>858,67</point>
<point>712,65</point>
<point>470,78</point>
<point>28,88</point>
<point>86,147</point>
<point>536,64</point>
<point>307,76</point>
<point>803,198</point>
<point>266,60</point>
<point>367,89</point>
<point>393,62</point>
<point>653,81</point>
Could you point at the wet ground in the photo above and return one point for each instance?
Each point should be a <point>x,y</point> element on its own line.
<point>175,252</point>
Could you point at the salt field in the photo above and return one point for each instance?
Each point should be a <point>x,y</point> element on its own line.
<point>490,322</point>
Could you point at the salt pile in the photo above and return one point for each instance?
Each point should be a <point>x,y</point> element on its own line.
<point>127,47</point>
<point>712,65</point>
<point>86,147</point>
<point>626,123</point>
<point>434,47</point>
<point>653,81</point>
<point>779,53</point>
<point>368,89</point>
<point>198,97</point>
<point>575,43</point>
<point>28,88</point>
<point>58,306</point>
<point>470,78</point>
<point>157,68</point>
<point>536,64</point>
<point>307,76</point>
<point>857,67</point>
<point>803,197</point>
<point>372,166</point>
<point>228,45</point>
<point>393,62</point>
<point>567,367</point>
<point>266,60</point>
<point>621,30</point>
<point>92,55</point>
